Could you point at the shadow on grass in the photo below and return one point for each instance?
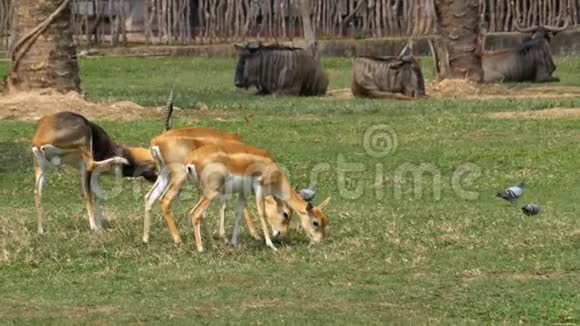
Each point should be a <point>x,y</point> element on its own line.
<point>15,156</point>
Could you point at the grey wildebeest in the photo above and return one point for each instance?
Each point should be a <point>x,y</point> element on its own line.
<point>276,69</point>
<point>387,77</point>
<point>529,61</point>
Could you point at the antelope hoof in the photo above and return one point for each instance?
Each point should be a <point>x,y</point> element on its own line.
<point>96,228</point>
<point>272,246</point>
<point>256,236</point>
<point>200,250</point>
<point>220,237</point>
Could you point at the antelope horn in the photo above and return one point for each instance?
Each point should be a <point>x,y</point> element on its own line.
<point>168,111</point>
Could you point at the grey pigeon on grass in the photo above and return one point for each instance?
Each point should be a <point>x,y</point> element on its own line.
<point>531,209</point>
<point>512,194</point>
<point>308,194</point>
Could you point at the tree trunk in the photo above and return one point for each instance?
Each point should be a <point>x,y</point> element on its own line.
<point>309,35</point>
<point>44,54</point>
<point>457,50</point>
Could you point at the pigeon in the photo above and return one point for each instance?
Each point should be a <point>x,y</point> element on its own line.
<point>531,209</point>
<point>308,194</point>
<point>512,194</point>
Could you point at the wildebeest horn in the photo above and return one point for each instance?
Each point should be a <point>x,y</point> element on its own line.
<point>524,30</point>
<point>409,46</point>
<point>554,29</point>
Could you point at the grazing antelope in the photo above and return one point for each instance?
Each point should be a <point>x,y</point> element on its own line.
<point>170,151</point>
<point>232,168</point>
<point>69,138</point>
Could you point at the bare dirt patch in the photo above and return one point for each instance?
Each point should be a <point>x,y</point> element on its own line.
<point>538,114</point>
<point>458,88</point>
<point>33,105</point>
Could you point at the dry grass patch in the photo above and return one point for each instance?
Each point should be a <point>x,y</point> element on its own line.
<point>476,274</point>
<point>340,94</point>
<point>34,309</point>
<point>469,90</point>
<point>560,113</point>
<point>33,105</point>
<point>459,88</point>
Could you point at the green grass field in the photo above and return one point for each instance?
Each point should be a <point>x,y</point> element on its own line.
<point>417,235</point>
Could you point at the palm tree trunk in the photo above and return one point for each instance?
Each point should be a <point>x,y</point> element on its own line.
<point>43,53</point>
<point>457,50</point>
<point>309,34</point>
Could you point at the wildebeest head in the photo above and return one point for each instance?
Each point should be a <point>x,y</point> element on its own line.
<point>245,52</point>
<point>412,82</point>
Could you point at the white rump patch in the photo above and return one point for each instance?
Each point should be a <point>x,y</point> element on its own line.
<point>191,172</point>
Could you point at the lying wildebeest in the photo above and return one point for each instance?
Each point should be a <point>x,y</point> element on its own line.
<point>529,61</point>
<point>387,77</point>
<point>276,69</point>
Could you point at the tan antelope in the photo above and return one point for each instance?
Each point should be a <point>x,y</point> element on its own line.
<point>237,168</point>
<point>170,151</point>
<point>69,138</point>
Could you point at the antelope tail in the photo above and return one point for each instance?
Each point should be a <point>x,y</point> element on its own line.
<point>168,111</point>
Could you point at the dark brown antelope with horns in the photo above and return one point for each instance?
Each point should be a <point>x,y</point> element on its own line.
<point>70,138</point>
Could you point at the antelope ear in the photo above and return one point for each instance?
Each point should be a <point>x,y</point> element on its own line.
<point>238,46</point>
<point>324,203</point>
